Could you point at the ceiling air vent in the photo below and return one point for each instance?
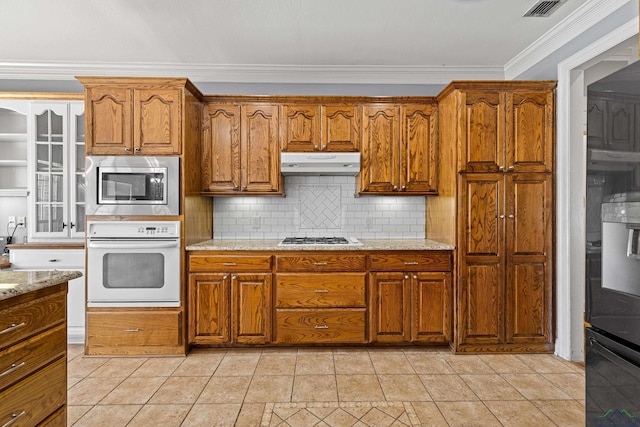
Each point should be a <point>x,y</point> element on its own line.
<point>543,8</point>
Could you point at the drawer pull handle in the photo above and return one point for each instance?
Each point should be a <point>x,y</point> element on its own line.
<point>54,260</point>
<point>411,263</point>
<point>321,291</point>
<point>12,327</point>
<point>132,330</point>
<point>321,327</point>
<point>12,368</point>
<point>230,263</point>
<point>321,263</point>
<point>14,418</point>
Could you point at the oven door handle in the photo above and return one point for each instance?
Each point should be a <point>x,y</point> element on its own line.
<point>134,245</point>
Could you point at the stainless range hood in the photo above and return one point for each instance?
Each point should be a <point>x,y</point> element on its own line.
<point>320,163</point>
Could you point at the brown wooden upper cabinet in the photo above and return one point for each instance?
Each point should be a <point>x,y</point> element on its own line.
<point>314,127</point>
<point>240,149</point>
<point>134,115</point>
<point>507,131</point>
<point>399,148</point>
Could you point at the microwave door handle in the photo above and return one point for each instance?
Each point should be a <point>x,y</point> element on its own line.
<point>132,245</point>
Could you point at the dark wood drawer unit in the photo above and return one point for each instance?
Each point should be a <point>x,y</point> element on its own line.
<point>23,320</point>
<point>227,263</point>
<point>134,332</point>
<point>322,326</point>
<point>411,261</point>
<point>320,290</point>
<point>336,262</point>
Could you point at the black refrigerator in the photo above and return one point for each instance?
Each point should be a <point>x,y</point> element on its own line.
<point>612,304</point>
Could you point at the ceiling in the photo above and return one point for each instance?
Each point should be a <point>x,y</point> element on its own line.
<point>267,40</point>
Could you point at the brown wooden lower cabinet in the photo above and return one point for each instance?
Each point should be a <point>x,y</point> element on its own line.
<point>134,331</point>
<point>33,363</point>
<point>320,326</point>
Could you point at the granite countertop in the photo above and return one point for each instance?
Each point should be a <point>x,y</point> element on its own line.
<point>14,283</point>
<point>367,245</point>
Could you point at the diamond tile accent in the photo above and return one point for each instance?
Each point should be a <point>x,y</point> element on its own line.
<point>340,413</point>
<point>320,206</point>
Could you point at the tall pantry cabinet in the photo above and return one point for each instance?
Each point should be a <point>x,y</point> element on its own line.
<point>496,182</point>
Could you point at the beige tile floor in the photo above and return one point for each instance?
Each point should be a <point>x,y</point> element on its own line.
<point>324,387</point>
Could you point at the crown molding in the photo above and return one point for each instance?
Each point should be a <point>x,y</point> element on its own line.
<point>583,18</point>
<point>255,73</point>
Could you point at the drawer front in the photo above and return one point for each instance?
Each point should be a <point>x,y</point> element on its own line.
<point>24,320</point>
<point>316,263</point>
<point>228,263</point>
<point>36,397</point>
<point>320,290</point>
<point>133,329</point>
<point>47,258</point>
<point>320,326</point>
<point>427,261</point>
<point>27,356</point>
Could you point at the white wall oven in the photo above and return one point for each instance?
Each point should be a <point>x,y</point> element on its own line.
<point>132,185</point>
<point>133,264</point>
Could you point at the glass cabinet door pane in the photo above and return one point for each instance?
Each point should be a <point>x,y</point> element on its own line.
<point>42,219</point>
<point>57,218</point>
<point>79,219</point>
<point>42,127</point>
<point>56,127</point>
<point>42,188</point>
<point>79,158</point>
<point>80,189</point>
<point>57,159</point>
<point>80,128</point>
<point>57,188</point>
<point>42,157</point>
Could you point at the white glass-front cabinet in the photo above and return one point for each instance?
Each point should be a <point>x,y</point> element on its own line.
<point>56,170</point>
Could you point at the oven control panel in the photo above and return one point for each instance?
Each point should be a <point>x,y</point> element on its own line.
<point>135,229</point>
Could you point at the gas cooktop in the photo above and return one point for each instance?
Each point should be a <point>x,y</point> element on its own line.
<point>319,241</point>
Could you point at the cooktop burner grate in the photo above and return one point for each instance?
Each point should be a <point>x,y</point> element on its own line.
<point>318,241</point>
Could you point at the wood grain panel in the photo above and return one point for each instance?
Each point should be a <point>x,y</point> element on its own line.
<point>157,119</point>
<point>390,309</point>
<point>209,308</point>
<point>229,263</point>
<point>340,127</point>
<point>380,148</point>
<point>483,196</point>
<point>23,320</point>
<point>317,326</point>
<point>419,145</point>
<point>527,304</point>
<point>251,320</point>
<point>38,396</point>
<point>260,160</point>
<point>530,131</point>
<point>221,148</point>
<point>301,128</point>
<point>133,329</point>
<point>320,290</point>
<point>336,261</point>
<point>431,307</point>
<point>483,148</point>
<point>108,112</point>
<point>482,304</point>
<point>411,261</point>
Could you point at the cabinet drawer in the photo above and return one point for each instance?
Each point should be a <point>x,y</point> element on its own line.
<point>24,320</point>
<point>314,263</point>
<point>228,263</point>
<point>320,326</point>
<point>27,356</point>
<point>36,397</point>
<point>320,290</point>
<point>429,261</point>
<point>133,329</point>
<point>47,258</point>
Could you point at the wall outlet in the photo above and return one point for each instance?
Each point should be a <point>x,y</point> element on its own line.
<point>21,222</point>
<point>255,221</point>
<point>369,222</point>
<point>12,221</point>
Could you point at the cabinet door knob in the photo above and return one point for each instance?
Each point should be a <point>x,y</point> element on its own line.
<point>406,276</point>
<point>404,187</point>
<point>511,167</point>
<point>127,149</point>
<point>501,216</point>
<point>137,149</point>
<point>510,216</point>
<point>395,188</point>
<point>501,168</point>
<point>415,277</point>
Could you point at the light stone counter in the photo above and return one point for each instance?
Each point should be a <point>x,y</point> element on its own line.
<point>367,245</point>
<point>15,283</point>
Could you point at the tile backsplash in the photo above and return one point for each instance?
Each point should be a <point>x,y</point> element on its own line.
<point>319,206</point>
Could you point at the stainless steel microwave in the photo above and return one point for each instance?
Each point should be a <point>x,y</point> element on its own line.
<point>132,185</point>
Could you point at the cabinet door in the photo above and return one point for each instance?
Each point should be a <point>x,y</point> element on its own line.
<point>430,307</point>
<point>49,159</point>
<point>109,117</point>
<point>481,259</point>
<point>221,148</point>
<point>482,135</point>
<point>76,170</point>
<point>156,121</point>
<point>620,126</point>
<point>209,307</point>
<point>251,308</point>
<point>340,128</point>
<point>380,149</point>
<point>260,156</point>
<point>389,306</point>
<point>301,128</point>
<point>529,250</point>
<point>596,122</point>
<point>530,130</point>
<point>418,148</point>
